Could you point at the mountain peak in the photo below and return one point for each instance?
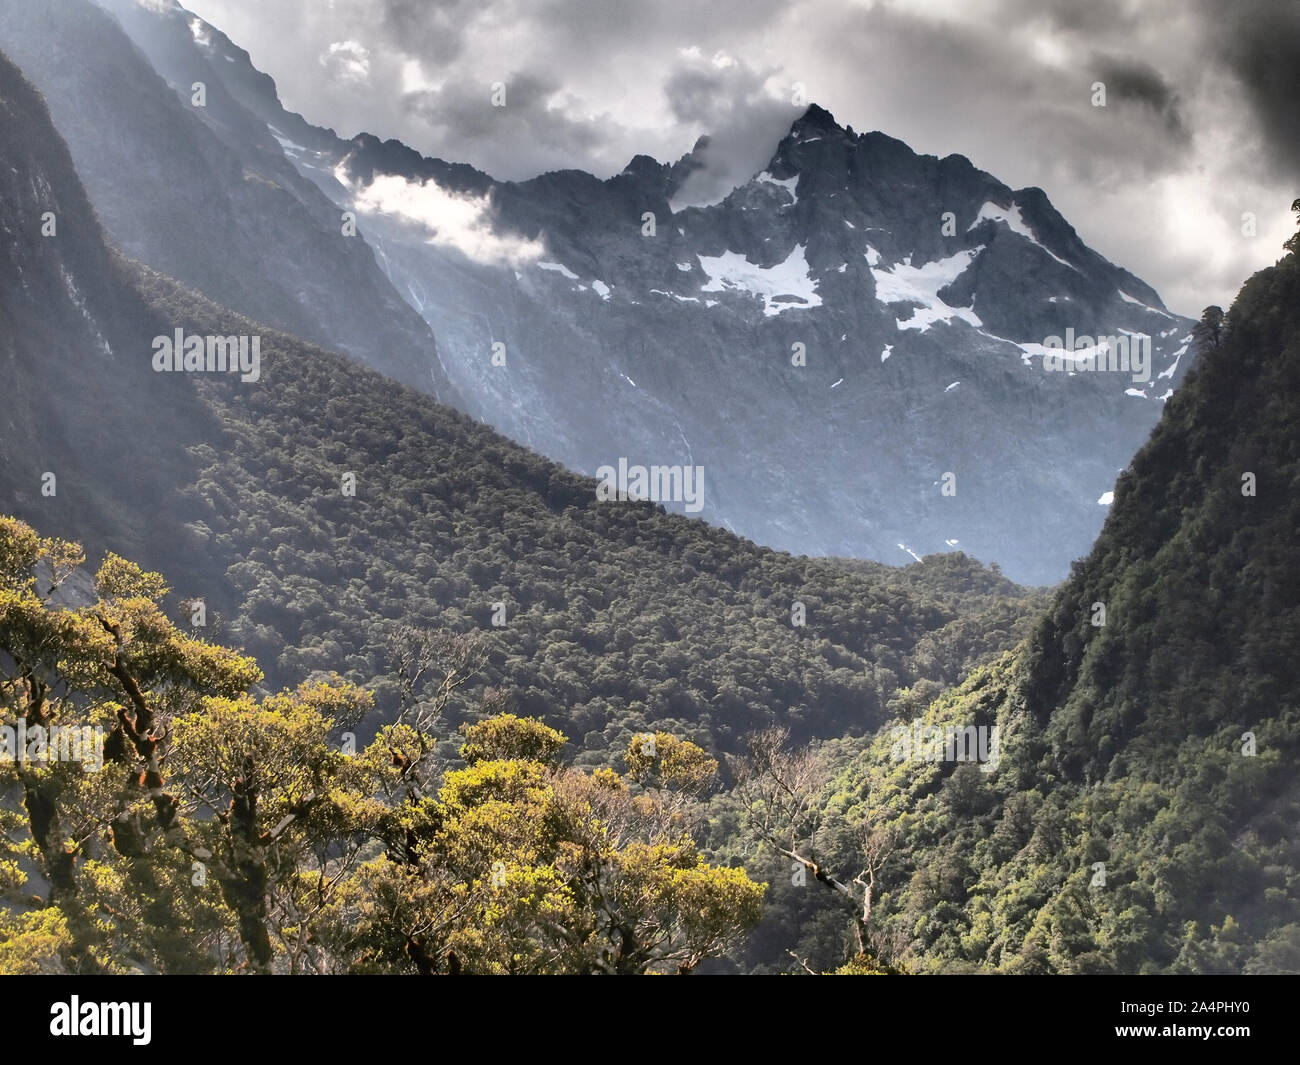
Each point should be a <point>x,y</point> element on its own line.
<point>815,124</point>
<point>816,117</point>
<point>646,167</point>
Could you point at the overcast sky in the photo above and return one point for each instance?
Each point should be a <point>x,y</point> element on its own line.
<point>1201,123</point>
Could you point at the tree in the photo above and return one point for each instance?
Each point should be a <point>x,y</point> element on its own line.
<point>94,693</point>
<point>1292,243</point>
<point>1209,330</point>
<point>521,865</point>
<point>781,791</point>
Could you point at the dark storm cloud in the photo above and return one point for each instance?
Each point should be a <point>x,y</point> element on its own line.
<point>644,24</point>
<point>1091,17</point>
<point>1260,43</point>
<point>432,29</point>
<point>1256,42</point>
<point>742,120</point>
<point>572,31</point>
<point>463,45</point>
<point>464,111</point>
<point>693,94</point>
<point>1136,82</point>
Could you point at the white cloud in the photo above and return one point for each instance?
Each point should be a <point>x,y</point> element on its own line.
<point>347,60</point>
<point>451,219</point>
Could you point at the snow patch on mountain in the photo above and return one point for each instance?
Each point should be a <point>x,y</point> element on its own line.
<point>1129,299</point>
<point>289,146</point>
<point>682,299</point>
<point>920,285</point>
<point>789,184</point>
<point>784,286</point>
<point>1014,221</point>
<point>79,301</point>
<point>199,31</point>
<point>558,268</point>
<point>1173,366</point>
<point>1029,350</point>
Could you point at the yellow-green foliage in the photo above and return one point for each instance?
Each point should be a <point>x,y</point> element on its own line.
<point>33,943</point>
<point>664,760</point>
<point>228,830</point>
<point>507,736</point>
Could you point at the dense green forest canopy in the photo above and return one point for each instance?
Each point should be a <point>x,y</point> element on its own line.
<point>604,618</point>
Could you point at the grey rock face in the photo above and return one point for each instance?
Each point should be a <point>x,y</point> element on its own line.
<point>88,430</point>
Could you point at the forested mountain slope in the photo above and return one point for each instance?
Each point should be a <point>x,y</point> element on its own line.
<point>1142,817</point>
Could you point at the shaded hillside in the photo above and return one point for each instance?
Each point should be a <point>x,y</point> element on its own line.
<point>205,193</point>
<point>88,431</point>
